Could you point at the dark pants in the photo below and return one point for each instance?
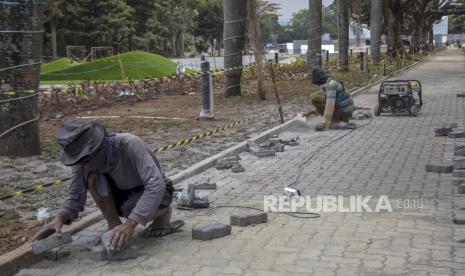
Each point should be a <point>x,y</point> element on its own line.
<point>126,200</point>
<point>319,101</point>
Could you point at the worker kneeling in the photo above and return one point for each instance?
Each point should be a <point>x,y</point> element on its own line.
<point>124,178</point>
<point>333,102</point>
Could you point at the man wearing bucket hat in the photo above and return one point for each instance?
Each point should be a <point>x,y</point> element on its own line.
<point>124,178</point>
<point>332,102</point>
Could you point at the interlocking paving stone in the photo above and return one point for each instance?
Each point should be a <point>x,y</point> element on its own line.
<point>243,220</point>
<point>51,242</point>
<point>385,157</point>
<point>211,231</point>
<point>58,253</point>
<point>439,168</point>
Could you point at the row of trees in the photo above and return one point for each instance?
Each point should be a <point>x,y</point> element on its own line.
<point>391,17</point>
<point>169,28</point>
<point>159,26</point>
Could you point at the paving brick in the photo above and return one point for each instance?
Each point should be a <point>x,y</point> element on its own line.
<point>456,134</point>
<point>243,220</point>
<point>211,231</point>
<point>460,152</point>
<point>458,173</point>
<point>56,254</point>
<point>278,148</point>
<point>461,189</point>
<point>264,153</point>
<point>237,168</point>
<point>259,152</point>
<point>205,186</point>
<point>459,163</point>
<point>459,217</point>
<point>439,168</point>
<point>99,253</point>
<point>458,181</point>
<point>443,131</point>
<point>51,242</point>
<point>459,146</point>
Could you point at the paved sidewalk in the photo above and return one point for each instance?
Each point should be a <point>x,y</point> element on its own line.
<point>386,156</point>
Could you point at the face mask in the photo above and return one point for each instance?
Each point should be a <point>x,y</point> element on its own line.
<point>98,161</point>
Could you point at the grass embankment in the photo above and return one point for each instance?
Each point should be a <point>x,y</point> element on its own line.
<point>132,65</point>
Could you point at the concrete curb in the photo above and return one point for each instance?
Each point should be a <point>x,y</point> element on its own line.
<point>369,85</point>
<point>12,262</point>
<point>21,257</point>
<point>211,161</point>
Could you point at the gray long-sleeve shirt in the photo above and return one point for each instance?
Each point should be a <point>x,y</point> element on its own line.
<point>135,165</point>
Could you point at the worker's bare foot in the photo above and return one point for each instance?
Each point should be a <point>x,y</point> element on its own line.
<point>161,225</point>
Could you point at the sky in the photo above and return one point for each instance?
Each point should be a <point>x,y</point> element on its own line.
<point>288,7</point>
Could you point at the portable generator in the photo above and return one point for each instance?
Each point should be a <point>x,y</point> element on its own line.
<point>399,97</point>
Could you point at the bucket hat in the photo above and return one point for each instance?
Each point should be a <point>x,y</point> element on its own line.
<point>79,140</point>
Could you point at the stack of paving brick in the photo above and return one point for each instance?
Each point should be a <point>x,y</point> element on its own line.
<point>270,147</point>
<point>230,163</point>
<point>457,168</point>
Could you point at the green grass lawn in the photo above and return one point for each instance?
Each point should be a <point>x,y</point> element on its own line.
<point>57,65</point>
<point>136,65</point>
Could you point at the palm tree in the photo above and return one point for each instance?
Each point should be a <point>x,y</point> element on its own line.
<point>21,52</point>
<point>235,18</point>
<point>343,33</point>
<point>314,34</point>
<point>376,23</point>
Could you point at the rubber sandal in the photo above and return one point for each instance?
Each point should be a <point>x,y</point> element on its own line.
<point>160,231</point>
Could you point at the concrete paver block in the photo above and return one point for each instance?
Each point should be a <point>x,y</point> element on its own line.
<point>278,148</point>
<point>243,220</point>
<point>439,168</point>
<point>51,242</point>
<point>259,152</point>
<point>444,131</point>
<point>456,134</point>
<point>458,181</point>
<point>211,231</point>
<point>206,186</point>
<point>459,163</point>
<point>460,152</point>
<point>99,253</point>
<point>459,217</point>
<point>56,254</point>
<point>461,189</point>
<point>459,146</point>
<point>458,173</point>
<point>237,168</point>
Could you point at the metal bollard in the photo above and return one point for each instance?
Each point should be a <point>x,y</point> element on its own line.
<point>276,58</point>
<point>361,56</point>
<point>327,56</point>
<point>351,52</point>
<point>207,91</point>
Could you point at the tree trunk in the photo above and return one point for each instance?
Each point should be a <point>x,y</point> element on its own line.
<point>21,53</point>
<point>314,35</point>
<point>376,23</point>
<point>235,18</point>
<point>180,45</point>
<point>256,41</point>
<point>343,34</point>
<point>53,30</point>
<point>394,22</point>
